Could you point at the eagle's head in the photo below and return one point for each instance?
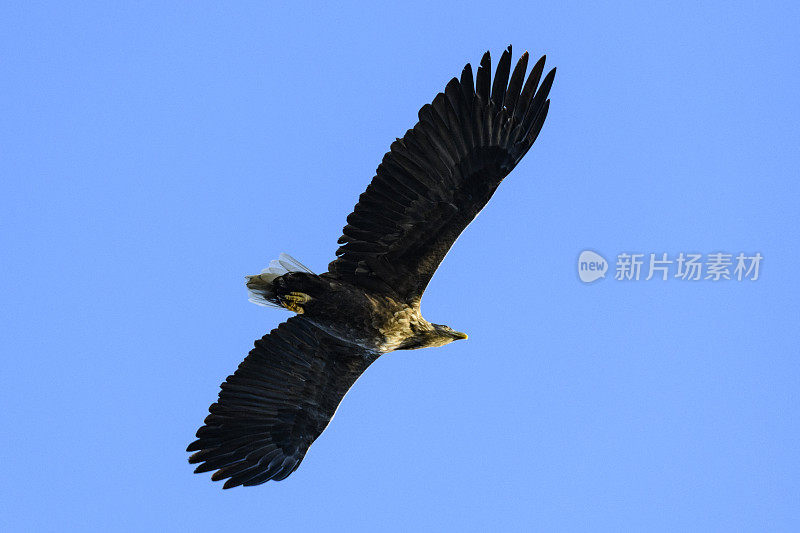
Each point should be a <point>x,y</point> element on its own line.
<point>448,333</point>
<point>431,337</point>
<point>441,335</point>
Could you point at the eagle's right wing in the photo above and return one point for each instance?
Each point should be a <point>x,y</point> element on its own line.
<point>435,180</point>
<point>276,404</point>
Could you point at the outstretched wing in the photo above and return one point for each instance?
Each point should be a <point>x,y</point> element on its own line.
<point>437,178</point>
<point>276,404</point>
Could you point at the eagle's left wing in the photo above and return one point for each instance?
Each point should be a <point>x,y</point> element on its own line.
<point>435,180</point>
<point>276,404</point>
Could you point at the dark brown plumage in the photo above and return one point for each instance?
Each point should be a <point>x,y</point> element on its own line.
<point>428,188</point>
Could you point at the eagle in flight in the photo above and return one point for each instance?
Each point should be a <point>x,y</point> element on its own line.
<point>428,188</point>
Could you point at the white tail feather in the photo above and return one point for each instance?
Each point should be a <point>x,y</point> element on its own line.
<point>260,287</point>
<point>259,299</point>
<point>289,264</point>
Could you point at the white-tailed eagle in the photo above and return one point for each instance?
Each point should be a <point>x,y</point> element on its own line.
<point>428,188</point>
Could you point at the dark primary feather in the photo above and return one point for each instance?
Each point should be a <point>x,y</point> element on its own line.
<point>436,179</point>
<point>276,404</point>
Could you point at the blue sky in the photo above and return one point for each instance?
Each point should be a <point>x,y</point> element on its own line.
<point>153,155</point>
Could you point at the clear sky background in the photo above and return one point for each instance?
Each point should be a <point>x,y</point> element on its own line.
<point>153,155</point>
